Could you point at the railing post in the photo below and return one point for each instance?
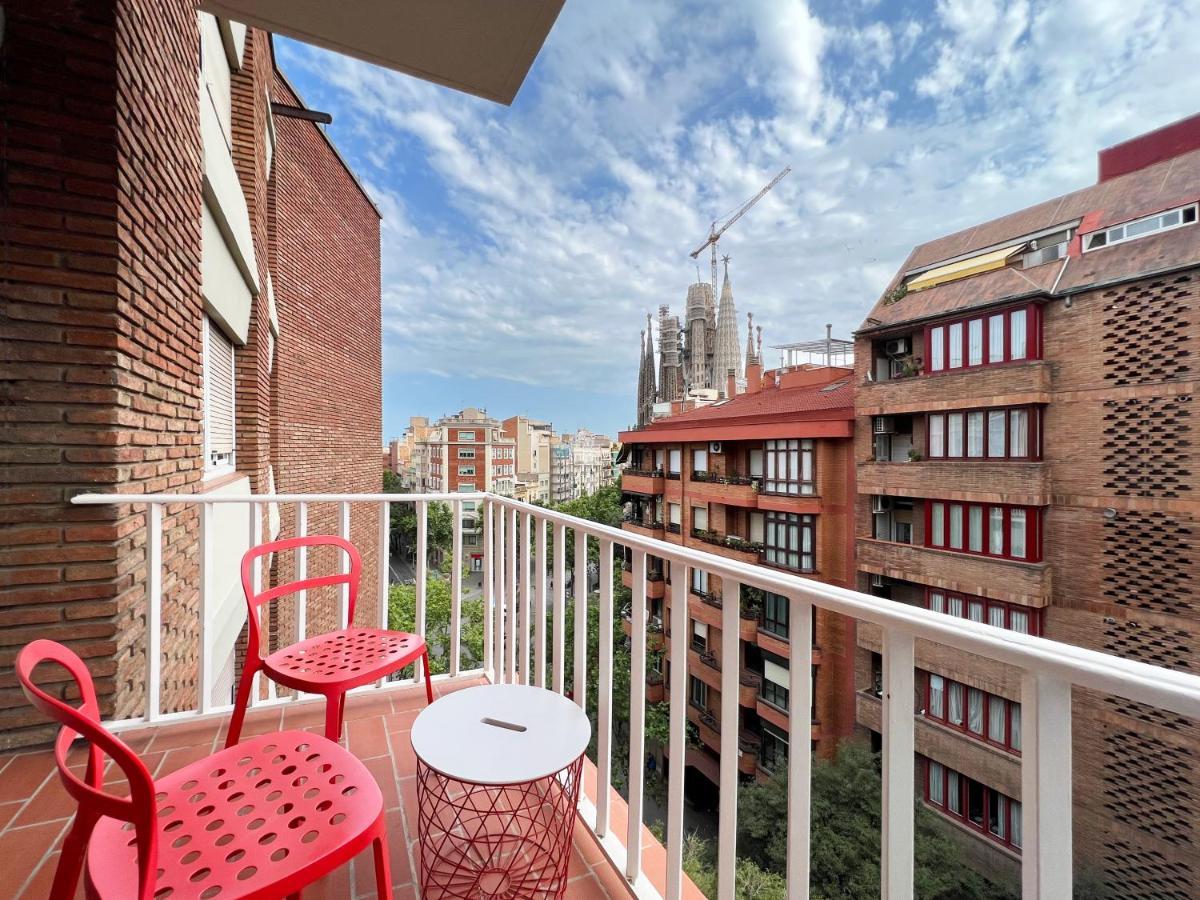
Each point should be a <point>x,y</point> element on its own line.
<point>539,646</point>
<point>637,717</point>
<point>898,791</point>
<point>800,742</point>
<point>526,557</point>
<point>255,515</point>
<point>514,601</point>
<point>456,556</point>
<point>678,729</point>
<point>489,591</point>
<point>1046,836</point>
<point>730,725</point>
<point>580,584</point>
<point>385,561</point>
<point>422,574</point>
<point>206,674</point>
<point>301,572</point>
<point>559,644</point>
<point>344,530</point>
<point>154,525</point>
<point>604,689</point>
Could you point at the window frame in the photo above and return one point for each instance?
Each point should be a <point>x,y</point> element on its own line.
<point>774,624</point>
<point>940,352</point>
<point>964,602</point>
<point>1032,531</point>
<point>1107,231</point>
<point>784,467</point>
<point>803,523</point>
<point>991,799</point>
<point>941,419</point>
<point>988,703</point>
<point>228,464</point>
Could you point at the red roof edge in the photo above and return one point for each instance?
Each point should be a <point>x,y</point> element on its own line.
<point>1149,148</point>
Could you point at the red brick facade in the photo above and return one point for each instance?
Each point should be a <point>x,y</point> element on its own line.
<point>102,315</point>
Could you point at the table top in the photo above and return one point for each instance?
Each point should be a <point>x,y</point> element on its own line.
<point>500,734</point>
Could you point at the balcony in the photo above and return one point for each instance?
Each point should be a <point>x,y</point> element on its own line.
<point>728,545</point>
<point>998,579</point>
<point>983,481</point>
<point>656,586</point>
<point>612,846</point>
<point>645,527</point>
<point>649,483</point>
<point>732,490</point>
<point>1008,385</point>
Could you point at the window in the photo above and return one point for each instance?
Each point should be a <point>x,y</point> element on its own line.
<point>673,514</point>
<point>675,456</point>
<point>466,470</point>
<point>699,581</point>
<point>937,697</point>
<point>790,467</point>
<point>1119,234</point>
<point>756,463</point>
<point>1022,619</point>
<point>773,752</point>
<point>466,435</point>
<point>697,692</point>
<point>700,461</point>
<point>699,636</point>
<point>699,518</point>
<point>466,452</point>
<point>1008,336</point>
<point>976,805</point>
<point>219,397</point>
<point>1013,531</point>
<point>790,542</point>
<point>774,688</point>
<point>775,615</point>
<point>1002,433</point>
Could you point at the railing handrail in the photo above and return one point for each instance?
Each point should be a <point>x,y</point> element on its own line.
<point>1167,689</point>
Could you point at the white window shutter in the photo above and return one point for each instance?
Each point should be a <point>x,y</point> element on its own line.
<point>219,380</point>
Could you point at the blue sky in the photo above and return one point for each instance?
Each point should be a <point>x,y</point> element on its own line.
<point>523,245</point>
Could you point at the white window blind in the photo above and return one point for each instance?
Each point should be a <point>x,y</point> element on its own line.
<point>775,673</point>
<point>700,629</point>
<point>218,397</point>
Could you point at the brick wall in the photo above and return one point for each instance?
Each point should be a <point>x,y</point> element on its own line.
<point>101,311</point>
<point>101,297</point>
<point>326,433</point>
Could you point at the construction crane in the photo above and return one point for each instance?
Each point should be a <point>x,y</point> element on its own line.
<point>714,233</point>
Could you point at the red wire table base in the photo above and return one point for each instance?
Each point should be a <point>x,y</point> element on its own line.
<point>496,842</point>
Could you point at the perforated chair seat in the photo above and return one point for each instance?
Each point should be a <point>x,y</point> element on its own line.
<point>274,812</point>
<point>345,659</point>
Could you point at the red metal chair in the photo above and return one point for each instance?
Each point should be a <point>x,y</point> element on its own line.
<point>330,663</point>
<point>260,820</point>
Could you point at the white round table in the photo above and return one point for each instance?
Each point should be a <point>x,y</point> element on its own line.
<point>498,776</point>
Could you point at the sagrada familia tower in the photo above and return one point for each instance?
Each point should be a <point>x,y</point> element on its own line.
<point>701,354</point>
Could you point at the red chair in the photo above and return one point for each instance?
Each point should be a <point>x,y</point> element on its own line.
<point>330,663</point>
<point>261,820</point>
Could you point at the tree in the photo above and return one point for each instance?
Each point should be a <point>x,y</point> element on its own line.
<point>402,616</point>
<point>439,537</point>
<point>846,827</point>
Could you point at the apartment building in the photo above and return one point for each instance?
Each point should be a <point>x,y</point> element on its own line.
<point>1026,457</point>
<point>766,478</point>
<point>562,469</point>
<point>465,452</point>
<point>191,303</point>
<point>533,440</point>
<point>400,451</point>
<point>591,462</point>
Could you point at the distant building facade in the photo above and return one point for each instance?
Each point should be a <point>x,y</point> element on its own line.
<point>466,452</point>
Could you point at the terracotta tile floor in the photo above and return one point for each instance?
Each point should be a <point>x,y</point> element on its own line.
<point>35,810</point>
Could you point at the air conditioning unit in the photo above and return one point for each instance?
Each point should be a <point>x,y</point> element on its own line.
<point>897,347</point>
<point>883,425</point>
<point>714,447</point>
<point>881,504</point>
<point>878,581</point>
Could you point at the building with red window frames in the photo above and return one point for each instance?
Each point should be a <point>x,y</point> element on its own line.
<point>766,478</point>
<point>1026,458</point>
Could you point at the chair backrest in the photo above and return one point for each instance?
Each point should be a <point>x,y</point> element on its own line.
<point>254,601</point>
<point>83,721</point>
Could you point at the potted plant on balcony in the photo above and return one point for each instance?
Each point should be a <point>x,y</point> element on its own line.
<point>914,455</point>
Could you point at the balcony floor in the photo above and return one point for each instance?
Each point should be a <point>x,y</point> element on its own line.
<point>35,810</point>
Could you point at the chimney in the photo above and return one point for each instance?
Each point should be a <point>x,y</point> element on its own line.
<point>1149,148</point>
<point>731,384</point>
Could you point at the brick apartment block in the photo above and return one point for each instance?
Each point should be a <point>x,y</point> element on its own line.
<point>143,220</point>
<point>1042,370</point>
<point>746,478</point>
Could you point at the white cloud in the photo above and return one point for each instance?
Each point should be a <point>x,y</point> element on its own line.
<point>528,242</point>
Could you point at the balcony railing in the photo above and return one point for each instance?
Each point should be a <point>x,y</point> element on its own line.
<point>525,615</point>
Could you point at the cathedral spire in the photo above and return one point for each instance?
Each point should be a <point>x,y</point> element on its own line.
<point>727,355</point>
<point>750,357</point>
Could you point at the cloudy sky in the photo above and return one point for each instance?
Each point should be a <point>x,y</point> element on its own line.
<point>523,246</point>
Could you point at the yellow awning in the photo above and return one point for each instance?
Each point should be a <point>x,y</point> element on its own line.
<point>985,262</point>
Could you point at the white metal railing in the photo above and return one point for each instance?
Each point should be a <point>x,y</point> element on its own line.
<point>515,650</point>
